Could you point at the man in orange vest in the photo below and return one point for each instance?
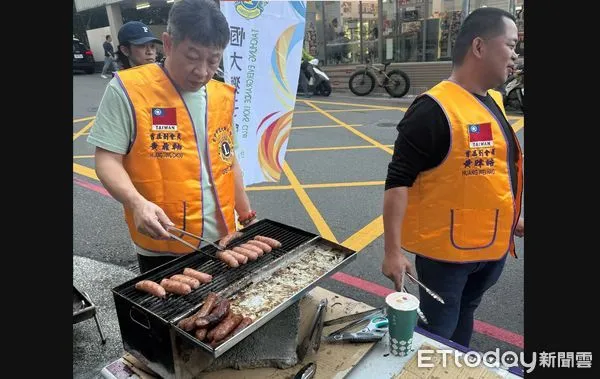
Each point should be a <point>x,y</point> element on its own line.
<point>164,140</point>
<point>453,190</point>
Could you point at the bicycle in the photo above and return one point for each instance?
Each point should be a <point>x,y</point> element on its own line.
<point>396,83</point>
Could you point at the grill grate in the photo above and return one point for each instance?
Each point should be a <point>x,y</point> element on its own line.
<point>223,275</point>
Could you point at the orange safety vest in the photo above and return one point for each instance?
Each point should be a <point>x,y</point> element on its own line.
<point>464,210</point>
<point>164,161</point>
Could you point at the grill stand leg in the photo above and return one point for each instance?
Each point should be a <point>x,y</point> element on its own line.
<point>99,329</point>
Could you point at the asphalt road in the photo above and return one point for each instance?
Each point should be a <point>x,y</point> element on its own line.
<point>345,185</point>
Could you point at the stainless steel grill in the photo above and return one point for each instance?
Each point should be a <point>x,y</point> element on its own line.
<point>148,324</point>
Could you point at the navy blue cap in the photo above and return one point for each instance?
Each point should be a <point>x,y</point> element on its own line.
<point>136,33</point>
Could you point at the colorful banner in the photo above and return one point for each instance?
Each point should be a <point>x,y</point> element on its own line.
<point>263,62</point>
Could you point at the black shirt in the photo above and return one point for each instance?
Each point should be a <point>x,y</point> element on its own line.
<point>108,49</point>
<point>424,139</point>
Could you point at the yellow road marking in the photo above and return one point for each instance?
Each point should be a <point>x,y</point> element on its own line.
<point>269,188</point>
<point>321,126</point>
<point>361,135</point>
<point>83,130</point>
<point>84,119</point>
<point>518,125</point>
<point>313,212</point>
<point>366,235</point>
<point>343,184</point>
<point>82,156</point>
<point>347,110</point>
<point>373,106</point>
<point>331,148</point>
<point>85,171</point>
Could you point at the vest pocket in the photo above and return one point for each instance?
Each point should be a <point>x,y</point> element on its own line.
<point>473,228</point>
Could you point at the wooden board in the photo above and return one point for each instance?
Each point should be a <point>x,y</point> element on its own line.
<point>333,360</point>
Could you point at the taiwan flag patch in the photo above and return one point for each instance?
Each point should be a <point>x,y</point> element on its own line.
<point>164,119</point>
<point>480,135</point>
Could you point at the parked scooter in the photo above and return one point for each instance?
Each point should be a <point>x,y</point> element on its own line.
<point>318,83</point>
<point>513,90</point>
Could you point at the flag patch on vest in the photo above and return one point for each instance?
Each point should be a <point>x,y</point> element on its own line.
<point>164,119</point>
<point>480,135</point>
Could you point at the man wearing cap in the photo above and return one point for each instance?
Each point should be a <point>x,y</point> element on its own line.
<point>137,45</point>
<point>164,140</point>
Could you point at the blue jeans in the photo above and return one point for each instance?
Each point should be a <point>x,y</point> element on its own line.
<point>109,63</point>
<point>462,286</point>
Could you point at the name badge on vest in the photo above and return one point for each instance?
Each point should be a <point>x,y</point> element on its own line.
<point>164,119</point>
<point>480,135</point>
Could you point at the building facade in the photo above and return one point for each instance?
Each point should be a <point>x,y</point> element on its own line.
<point>417,36</point>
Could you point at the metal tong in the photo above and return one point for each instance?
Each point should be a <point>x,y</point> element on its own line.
<point>193,236</point>
<point>313,338</point>
<point>430,292</point>
<point>376,327</point>
<point>419,311</point>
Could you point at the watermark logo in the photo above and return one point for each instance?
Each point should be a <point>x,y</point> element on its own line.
<point>508,359</point>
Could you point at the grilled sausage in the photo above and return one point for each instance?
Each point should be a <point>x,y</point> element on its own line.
<point>189,323</point>
<point>227,258</point>
<point>230,237</point>
<point>200,276</point>
<point>254,248</point>
<point>218,314</point>
<point>200,334</point>
<point>269,241</point>
<point>263,246</point>
<point>151,287</point>
<point>173,286</point>
<point>226,326</point>
<point>193,283</point>
<point>242,325</point>
<point>252,255</point>
<point>242,259</point>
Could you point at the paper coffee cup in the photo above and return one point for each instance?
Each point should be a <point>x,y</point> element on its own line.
<point>402,319</point>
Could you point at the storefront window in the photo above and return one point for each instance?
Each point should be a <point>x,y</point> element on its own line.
<point>342,36</point>
<point>348,32</point>
<point>314,42</point>
<point>370,30</point>
<point>390,24</point>
<point>450,20</point>
<point>409,31</point>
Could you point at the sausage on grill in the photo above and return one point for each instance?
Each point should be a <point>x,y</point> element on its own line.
<point>263,246</point>
<point>269,241</point>
<point>151,287</point>
<point>242,325</point>
<point>259,252</point>
<point>200,276</point>
<point>200,334</point>
<point>242,259</point>
<point>193,283</point>
<point>188,324</point>
<point>173,286</point>
<point>226,326</point>
<point>218,314</point>
<point>227,258</point>
<point>252,255</point>
<point>230,237</point>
